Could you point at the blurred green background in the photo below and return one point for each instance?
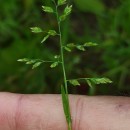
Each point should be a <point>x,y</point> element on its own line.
<point>106,22</point>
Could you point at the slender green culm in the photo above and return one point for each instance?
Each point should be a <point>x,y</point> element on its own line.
<point>64,92</point>
<point>60,59</point>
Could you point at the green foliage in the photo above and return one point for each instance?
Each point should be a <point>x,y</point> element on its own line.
<point>23,60</point>
<point>94,81</point>
<point>90,81</point>
<point>54,64</point>
<point>71,46</point>
<point>90,44</point>
<point>49,33</point>
<point>67,49</point>
<point>67,11</point>
<point>109,26</point>
<point>74,82</point>
<point>45,38</point>
<point>100,80</point>
<point>36,30</point>
<point>61,2</point>
<point>47,9</point>
<point>80,47</point>
<point>52,33</point>
<point>36,62</point>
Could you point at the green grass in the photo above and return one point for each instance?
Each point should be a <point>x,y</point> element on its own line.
<point>60,58</point>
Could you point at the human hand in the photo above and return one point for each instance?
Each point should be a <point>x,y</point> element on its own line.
<point>45,112</point>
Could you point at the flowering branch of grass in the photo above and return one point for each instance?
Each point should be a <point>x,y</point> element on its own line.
<point>60,59</point>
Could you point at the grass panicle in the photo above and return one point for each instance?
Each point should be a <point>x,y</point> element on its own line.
<point>60,59</point>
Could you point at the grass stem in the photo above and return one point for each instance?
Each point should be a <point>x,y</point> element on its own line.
<point>63,65</point>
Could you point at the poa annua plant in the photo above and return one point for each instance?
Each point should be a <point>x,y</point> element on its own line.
<point>59,59</point>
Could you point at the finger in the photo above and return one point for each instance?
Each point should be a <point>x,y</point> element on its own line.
<point>38,112</point>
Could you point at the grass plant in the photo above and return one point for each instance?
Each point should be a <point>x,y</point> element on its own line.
<point>59,60</point>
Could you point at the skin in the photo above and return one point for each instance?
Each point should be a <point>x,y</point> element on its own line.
<point>45,112</point>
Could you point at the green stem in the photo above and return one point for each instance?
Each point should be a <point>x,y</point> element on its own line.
<point>62,62</point>
<point>78,79</point>
<point>62,58</point>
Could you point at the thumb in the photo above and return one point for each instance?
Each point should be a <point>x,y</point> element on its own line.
<point>45,112</point>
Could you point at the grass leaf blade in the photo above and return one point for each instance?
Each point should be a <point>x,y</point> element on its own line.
<point>66,106</point>
<point>45,38</point>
